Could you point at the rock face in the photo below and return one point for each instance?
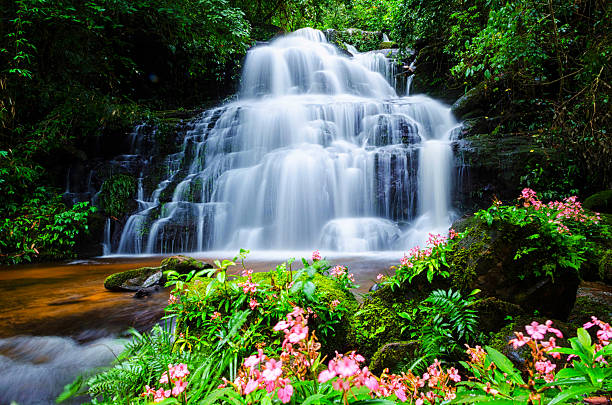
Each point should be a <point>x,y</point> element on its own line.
<point>485,259</point>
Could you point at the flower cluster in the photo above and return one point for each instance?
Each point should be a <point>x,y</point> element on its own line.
<point>558,211</point>
<point>250,288</point>
<point>342,276</point>
<point>299,354</point>
<point>316,256</point>
<point>174,378</point>
<point>540,347</point>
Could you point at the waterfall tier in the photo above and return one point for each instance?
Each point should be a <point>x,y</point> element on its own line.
<point>318,151</point>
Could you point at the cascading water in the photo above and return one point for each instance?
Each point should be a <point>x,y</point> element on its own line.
<point>317,152</point>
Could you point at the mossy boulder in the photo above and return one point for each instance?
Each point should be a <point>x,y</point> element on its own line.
<point>599,202</point>
<point>485,259</point>
<point>592,299</point>
<point>183,264</point>
<point>393,356</point>
<point>494,314</point>
<point>472,103</point>
<point>117,281</point>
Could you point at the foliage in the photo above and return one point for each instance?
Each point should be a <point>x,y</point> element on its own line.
<point>203,305</point>
<point>447,321</point>
<point>431,260</point>
<point>563,231</point>
<point>496,378</point>
<point>116,194</point>
<point>35,224</point>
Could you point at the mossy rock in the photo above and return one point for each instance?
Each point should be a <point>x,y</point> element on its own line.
<point>494,314</point>
<point>388,45</point>
<point>592,299</point>
<point>393,355</point>
<point>117,196</point>
<point>183,264</point>
<point>484,259</point>
<point>599,202</point>
<point>115,281</point>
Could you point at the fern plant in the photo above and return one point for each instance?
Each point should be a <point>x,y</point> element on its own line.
<point>447,322</point>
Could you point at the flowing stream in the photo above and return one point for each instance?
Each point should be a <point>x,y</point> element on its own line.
<point>317,151</point>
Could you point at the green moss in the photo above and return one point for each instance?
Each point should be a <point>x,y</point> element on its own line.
<point>117,195</point>
<point>466,255</point>
<point>114,281</point>
<point>599,202</point>
<point>377,321</point>
<point>494,313</point>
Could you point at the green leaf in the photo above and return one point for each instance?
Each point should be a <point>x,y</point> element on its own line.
<point>572,393</point>
<point>504,364</point>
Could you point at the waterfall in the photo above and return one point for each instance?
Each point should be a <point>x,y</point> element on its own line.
<point>317,151</point>
<point>106,244</point>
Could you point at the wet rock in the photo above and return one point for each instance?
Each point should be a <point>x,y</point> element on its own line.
<point>472,103</point>
<point>145,292</point>
<point>494,314</point>
<point>592,299</point>
<point>130,280</point>
<point>392,355</point>
<point>137,283</point>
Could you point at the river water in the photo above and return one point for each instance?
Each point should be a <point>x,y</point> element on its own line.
<point>58,321</point>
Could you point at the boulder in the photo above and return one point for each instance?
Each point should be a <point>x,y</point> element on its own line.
<point>472,103</point>
<point>393,355</point>
<point>137,283</point>
<point>130,280</point>
<point>485,259</point>
<point>494,314</point>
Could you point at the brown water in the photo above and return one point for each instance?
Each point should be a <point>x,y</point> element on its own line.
<point>58,321</point>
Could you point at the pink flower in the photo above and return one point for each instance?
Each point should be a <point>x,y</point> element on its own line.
<point>161,394</point>
<point>253,303</point>
<point>536,331</point>
<point>282,325</point>
<point>250,387</point>
<point>519,341</point>
<point>379,277</point>
<point>164,378</point>
<point>400,394</point>
<point>173,299</point>
<point>490,390</point>
<point>215,316</point>
<point>179,387</point>
<point>179,371</point>
<point>298,332</point>
<point>334,304</point>
<point>453,374</point>
<point>273,370</point>
<point>326,375</point>
<point>284,394</point>
<point>347,367</point>
<point>338,271</point>
<point>316,256</point>
<point>372,384</point>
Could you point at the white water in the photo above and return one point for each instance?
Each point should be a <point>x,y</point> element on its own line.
<point>36,368</point>
<point>317,152</point>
